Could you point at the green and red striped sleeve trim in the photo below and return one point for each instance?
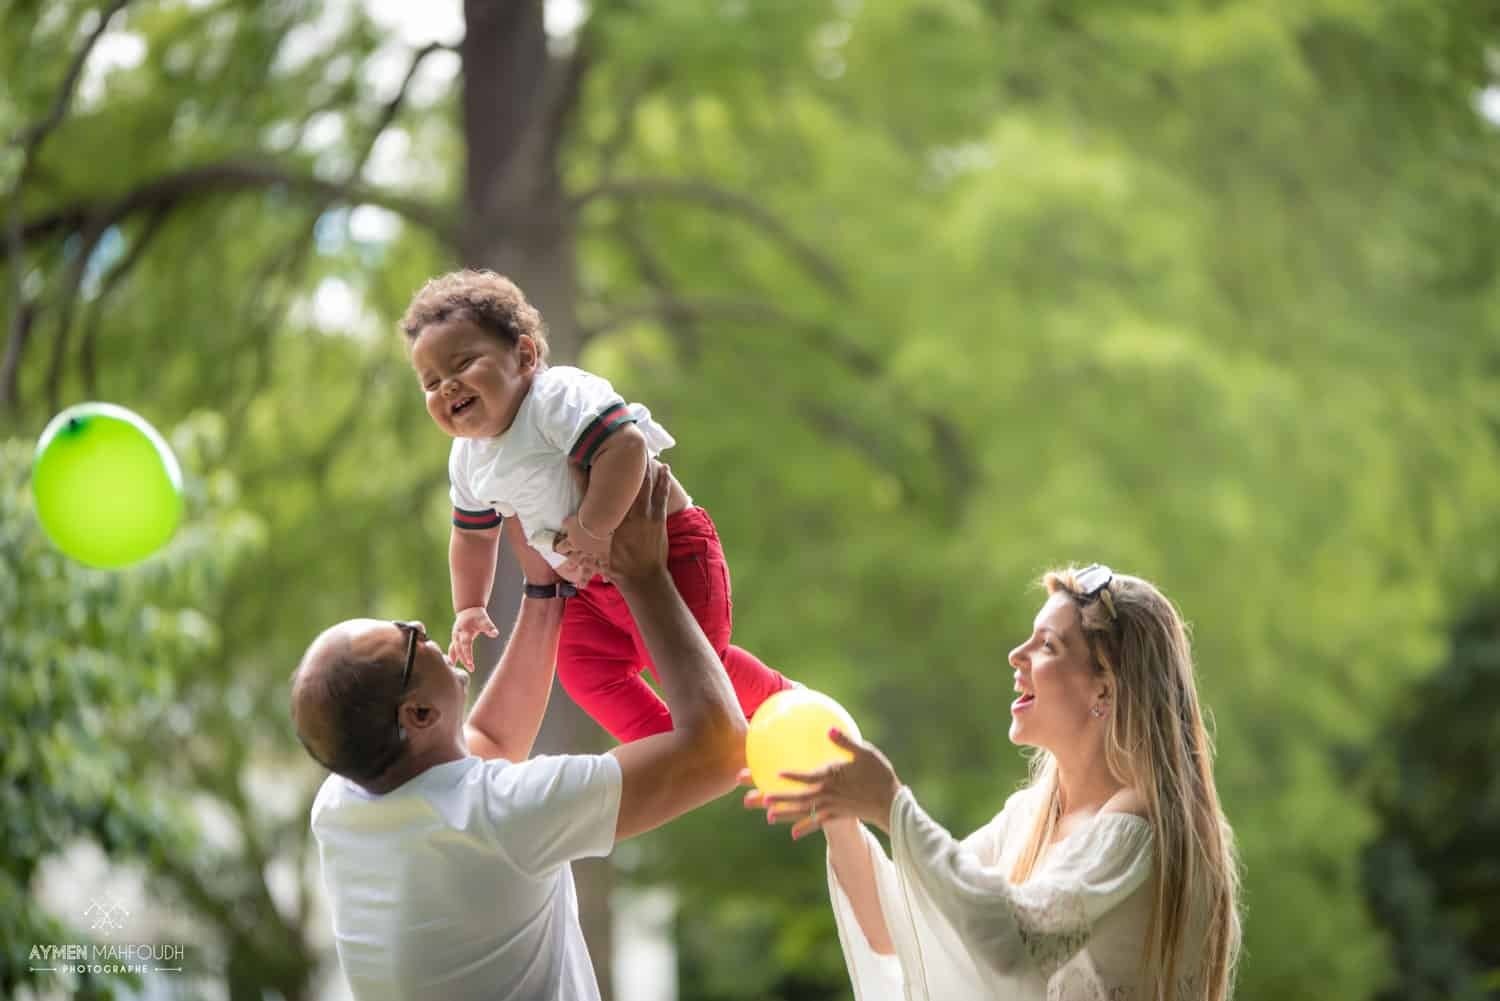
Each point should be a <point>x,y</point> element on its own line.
<point>612,419</point>
<point>488,518</point>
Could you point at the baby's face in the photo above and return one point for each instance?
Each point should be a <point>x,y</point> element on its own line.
<point>474,383</point>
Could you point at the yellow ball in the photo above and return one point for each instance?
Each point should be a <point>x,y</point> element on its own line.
<point>789,733</point>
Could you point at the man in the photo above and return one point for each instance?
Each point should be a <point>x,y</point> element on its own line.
<point>445,851</point>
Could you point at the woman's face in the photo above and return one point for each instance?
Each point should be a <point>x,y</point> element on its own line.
<point>1056,679</point>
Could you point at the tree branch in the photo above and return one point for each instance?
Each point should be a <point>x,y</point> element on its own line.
<point>161,196</point>
<point>876,448</point>
<point>116,274</point>
<point>624,118</point>
<point>289,260</point>
<point>681,314</point>
<point>71,285</point>
<point>561,97</point>
<point>30,140</point>
<point>393,106</point>
<point>719,199</point>
<point>248,173</point>
<point>746,311</point>
<point>282,263</point>
<point>31,137</point>
<point>10,370</point>
<point>680,323</point>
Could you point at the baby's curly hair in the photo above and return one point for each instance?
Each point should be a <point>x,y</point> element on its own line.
<point>492,301</point>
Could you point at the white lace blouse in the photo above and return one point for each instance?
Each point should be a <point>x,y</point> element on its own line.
<point>1074,931</point>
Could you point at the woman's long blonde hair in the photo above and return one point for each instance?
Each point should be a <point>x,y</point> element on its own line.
<point>1156,743</point>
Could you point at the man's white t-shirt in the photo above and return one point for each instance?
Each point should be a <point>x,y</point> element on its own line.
<point>524,473</point>
<point>457,884</point>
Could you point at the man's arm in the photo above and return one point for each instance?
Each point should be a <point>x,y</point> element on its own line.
<point>668,774</point>
<point>509,711</point>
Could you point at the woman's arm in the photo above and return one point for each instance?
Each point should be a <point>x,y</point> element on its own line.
<point>838,797</point>
<point>849,854</point>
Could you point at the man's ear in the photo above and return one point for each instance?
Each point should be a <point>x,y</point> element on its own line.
<point>419,716</point>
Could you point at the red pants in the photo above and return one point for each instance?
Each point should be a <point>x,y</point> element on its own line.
<point>600,656</point>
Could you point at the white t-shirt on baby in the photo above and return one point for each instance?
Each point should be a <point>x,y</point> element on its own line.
<point>525,472</point>
<point>457,885</point>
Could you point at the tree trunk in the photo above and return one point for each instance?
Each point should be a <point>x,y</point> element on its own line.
<point>517,221</point>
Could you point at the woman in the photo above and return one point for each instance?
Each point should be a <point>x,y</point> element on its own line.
<point>1111,876</point>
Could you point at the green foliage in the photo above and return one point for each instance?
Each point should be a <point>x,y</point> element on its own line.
<point>99,674</point>
<point>1431,875</point>
<point>1144,282</point>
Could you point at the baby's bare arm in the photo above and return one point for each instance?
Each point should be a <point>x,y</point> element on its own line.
<point>471,565</point>
<point>615,477</point>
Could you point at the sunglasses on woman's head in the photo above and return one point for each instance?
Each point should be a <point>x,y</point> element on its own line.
<point>1091,583</point>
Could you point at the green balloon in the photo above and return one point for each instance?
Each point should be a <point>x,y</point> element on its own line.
<point>108,490</point>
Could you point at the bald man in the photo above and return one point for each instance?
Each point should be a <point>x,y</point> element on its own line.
<point>445,847</point>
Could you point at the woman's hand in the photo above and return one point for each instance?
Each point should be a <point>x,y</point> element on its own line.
<point>861,789</point>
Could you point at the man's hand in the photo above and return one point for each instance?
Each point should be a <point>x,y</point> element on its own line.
<point>638,548</point>
<point>467,627</point>
<point>577,541</point>
<point>579,571</point>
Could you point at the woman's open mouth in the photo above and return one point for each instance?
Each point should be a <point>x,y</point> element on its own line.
<point>1023,702</point>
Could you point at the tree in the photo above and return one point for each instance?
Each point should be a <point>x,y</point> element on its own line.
<point>513,210</point>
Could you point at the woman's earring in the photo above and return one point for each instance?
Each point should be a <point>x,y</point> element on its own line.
<point>1098,711</point>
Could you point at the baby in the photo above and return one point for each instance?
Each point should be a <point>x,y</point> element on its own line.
<point>558,452</point>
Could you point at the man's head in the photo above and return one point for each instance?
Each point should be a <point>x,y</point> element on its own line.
<point>475,344</point>
<point>354,714</point>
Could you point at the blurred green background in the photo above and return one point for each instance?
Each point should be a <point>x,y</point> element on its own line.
<point>935,294</point>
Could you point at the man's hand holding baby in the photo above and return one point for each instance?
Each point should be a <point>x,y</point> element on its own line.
<point>579,570</point>
<point>587,546</point>
<point>583,543</point>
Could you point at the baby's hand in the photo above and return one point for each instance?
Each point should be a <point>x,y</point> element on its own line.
<point>467,627</point>
<point>581,542</point>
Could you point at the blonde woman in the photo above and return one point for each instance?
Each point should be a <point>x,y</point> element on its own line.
<point>1110,876</point>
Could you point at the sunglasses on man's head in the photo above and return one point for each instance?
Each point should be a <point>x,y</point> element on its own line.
<point>414,634</point>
